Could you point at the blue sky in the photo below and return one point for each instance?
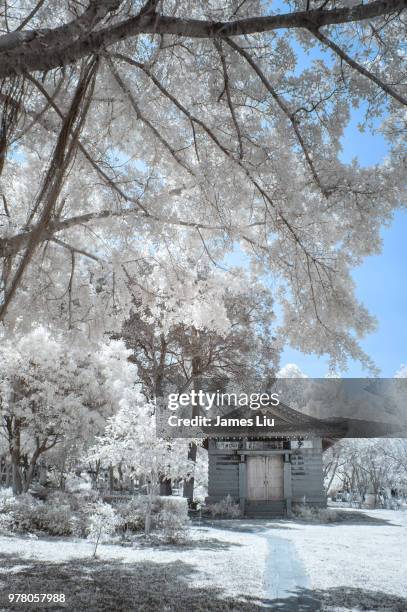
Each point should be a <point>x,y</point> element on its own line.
<point>382,287</point>
<point>381,280</point>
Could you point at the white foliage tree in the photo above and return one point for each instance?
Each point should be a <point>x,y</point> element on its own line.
<point>362,466</point>
<point>174,133</point>
<point>53,390</point>
<point>130,441</point>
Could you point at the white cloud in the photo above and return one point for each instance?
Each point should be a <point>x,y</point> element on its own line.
<point>291,370</point>
<point>402,371</point>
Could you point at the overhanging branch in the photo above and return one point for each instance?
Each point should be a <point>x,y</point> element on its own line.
<point>45,50</point>
<point>358,67</point>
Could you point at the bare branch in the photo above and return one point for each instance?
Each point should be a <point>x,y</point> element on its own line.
<point>218,46</point>
<point>74,250</point>
<point>30,15</point>
<point>106,179</point>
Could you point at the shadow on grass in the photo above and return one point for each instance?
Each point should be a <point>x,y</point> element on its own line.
<point>104,586</point>
<point>188,545</point>
<point>351,598</point>
<point>249,525</point>
<point>208,544</point>
<point>344,598</point>
<point>261,525</point>
<point>360,518</point>
<point>97,585</point>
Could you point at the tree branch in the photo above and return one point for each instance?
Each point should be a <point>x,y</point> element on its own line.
<point>283,106</point>
<point>45,50</point>
<point>64,150</point>
<point>219,49</point>
<point>66,34</point>
<point>15,244</point>
<point>106,179</point>
<point>30,15</point>
<point>145,120</point>
<point>351,62</point>
<point>74,250</point>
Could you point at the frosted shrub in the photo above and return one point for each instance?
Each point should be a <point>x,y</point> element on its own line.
<point>327,515</point>
<point>83,515</point>
<point>226,508</point>
<point>22,513</point>
<point>6,497</point>
<point>18,513</point>
<point>25,513</point>
<point>169,515</point>
<point>6,522</point>
<point>304,513</point>
<point>6,515</point>
<point>55,519</point>
<point>172,519</point>
<point>103,522</point>
<point>133,514</point>
<point>315,515</point>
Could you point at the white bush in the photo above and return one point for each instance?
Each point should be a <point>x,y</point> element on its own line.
<point>172,518</point>
<point>6,506</point>
<point>55,519</point>
<point>84,515</point>
<point>61,514</point>
<point>6,497</point>
<point>169,515</point>
<point>315,515</point>
<point>226,508</point>
<point>24,513</point>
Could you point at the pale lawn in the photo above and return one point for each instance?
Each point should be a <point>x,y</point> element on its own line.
<point>357,564</point>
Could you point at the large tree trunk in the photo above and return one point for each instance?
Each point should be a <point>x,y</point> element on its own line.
<point>14,431</point>
<point>165,486</point>
<point>165,483</point>
<point>188,491</point>
<point>111,479</point>
<point>27,480</point>
<point>16,476</point>
<point>189,484</point>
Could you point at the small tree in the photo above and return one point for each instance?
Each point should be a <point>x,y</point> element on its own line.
<point>130,441</point>
<point>102,523</point>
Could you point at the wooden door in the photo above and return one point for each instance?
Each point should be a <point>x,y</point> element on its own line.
<point>274,477</point>
<point>265,477</point>
<point>256,478</point>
